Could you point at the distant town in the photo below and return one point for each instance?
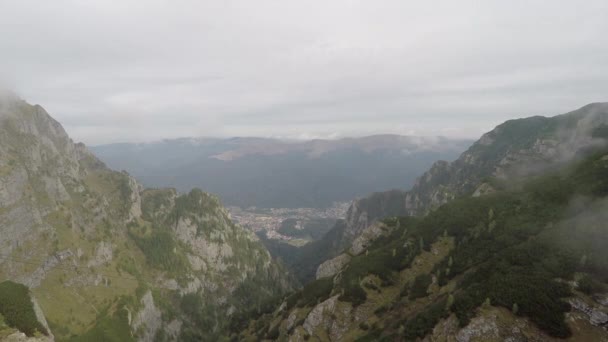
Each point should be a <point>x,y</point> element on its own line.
<point>271,219</point>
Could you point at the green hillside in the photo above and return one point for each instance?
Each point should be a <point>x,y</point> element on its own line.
<point>530,248</point>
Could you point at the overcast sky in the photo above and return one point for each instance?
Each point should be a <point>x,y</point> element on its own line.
<point>144,70</point>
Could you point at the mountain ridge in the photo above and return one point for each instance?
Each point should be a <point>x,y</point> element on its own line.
<point>445,181</point>
<point>500,250</point>
<point>271,173</point>
<point>107,259</point>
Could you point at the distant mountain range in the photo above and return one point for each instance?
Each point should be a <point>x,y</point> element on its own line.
<point>269,173</point>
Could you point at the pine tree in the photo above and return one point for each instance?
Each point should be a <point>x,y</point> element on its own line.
<point>515,308</point>
<point>487,302</point>
<point>450,301</point>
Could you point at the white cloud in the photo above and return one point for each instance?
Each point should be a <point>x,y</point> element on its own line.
<point>140,70</point>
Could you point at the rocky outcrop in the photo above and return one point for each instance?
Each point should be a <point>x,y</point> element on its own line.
<point>333,266</point>
<point>134,200</point>
<point>318,316</point>
<point>21,337</point>
<point>148,320</point>
<point>480,328</point>
<point>367,236</point>
<point>483,189</point>
<point>596,316</point>
<point>34,279</point>
<point>602,299</point>
<point>103,254</point>
<point>40,317</point>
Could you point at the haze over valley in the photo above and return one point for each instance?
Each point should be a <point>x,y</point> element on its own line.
<point>270,173</point>
<point>266,182</point>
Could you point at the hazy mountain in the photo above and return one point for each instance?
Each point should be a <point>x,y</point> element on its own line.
<point>275,173</point>
<point>108,260</point>
<point>505,243</point>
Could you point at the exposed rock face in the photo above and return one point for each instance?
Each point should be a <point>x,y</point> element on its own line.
<point>291,320</point>
<point>34,279</point>
<point>103,254</point>
<point>367,236</point>
<point>602,299</point>
<point>478,328</point>
<point>318,316</point>
<point>42,319</point>
<point>483,189</point>
<point>365,211</point>
<point>359,245</point>
<point>148,320</point>
<point>596,316</point>
<point>21,337</point>
<point>333,266</point>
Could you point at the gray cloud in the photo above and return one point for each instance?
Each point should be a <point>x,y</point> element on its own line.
<point>143,70</point>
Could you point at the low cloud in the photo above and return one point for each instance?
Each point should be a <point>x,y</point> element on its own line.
<point>141,70</point>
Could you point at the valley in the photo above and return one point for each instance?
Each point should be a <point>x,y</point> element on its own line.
<point>303,171</point>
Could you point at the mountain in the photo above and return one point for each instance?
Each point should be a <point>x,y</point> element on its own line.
<point>271,173</point>
<point>505,243</point>
<point>515,149</point>
<point>108,260</point>
<point>521,264</point>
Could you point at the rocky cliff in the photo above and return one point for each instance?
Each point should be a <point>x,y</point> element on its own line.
<point>107,259</point>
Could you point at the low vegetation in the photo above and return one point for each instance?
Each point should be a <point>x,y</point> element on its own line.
<point>17,309</point>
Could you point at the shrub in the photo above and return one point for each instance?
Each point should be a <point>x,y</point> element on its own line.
<point>17,308</point>
<point>425,321</point>
<point>314,292</point>
<point>420,286</point>
<point>588,285</point>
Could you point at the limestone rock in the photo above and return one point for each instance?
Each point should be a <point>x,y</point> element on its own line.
<point>367,236</point>
<point>148,319</point>
<point>317,317</point>
<point>479,327</point>
<point>596,316</point>
<point>483,189</point>
<point>333,266</point>
<point>21,337</point>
